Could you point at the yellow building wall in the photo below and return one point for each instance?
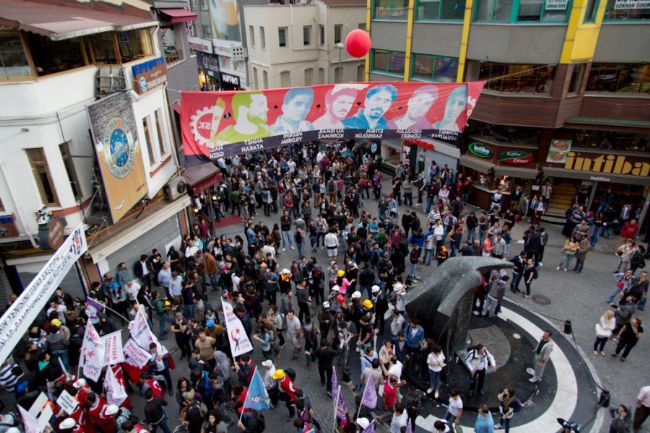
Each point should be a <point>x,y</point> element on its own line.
<point>462,54</point>
<point>581,38</point>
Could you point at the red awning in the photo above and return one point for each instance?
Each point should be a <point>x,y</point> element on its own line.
<point>60,22</point>
<point>179,15</point>
<point>201,177</point>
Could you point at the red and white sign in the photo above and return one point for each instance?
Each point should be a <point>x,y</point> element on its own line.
<point>135,355</point>
<point>140,332</point>
<point>67,402</point>
<point>92,353</point>
<point>113,353</point>
<point>115,392</point>
<point>239,342</point>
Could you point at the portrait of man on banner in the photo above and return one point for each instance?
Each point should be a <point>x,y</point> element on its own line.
<point>417,109</point>
<point>455,107</point>
<point>338,103</point>
<point>295,108</point>
<point>377,102</point>
<point>249,110</point>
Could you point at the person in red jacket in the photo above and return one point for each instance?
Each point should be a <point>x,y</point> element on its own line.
<point>629,230</point>
<point>150,382</point>
<point>240,392</point>
<point>287,390</point>
<point>103,422</point>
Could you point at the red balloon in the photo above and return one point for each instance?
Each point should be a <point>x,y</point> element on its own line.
<point>340,299</point>
<point>357,43</point>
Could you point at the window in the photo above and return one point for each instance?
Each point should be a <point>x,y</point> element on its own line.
<point>622,10</point>
<point>148,138</point>
<point>262,38</point>
<point>512,11</point>
<point>306,35</point>
<point>282,36</point>
<point>285,79</point>
<point>338,74</point>
<point>256,84</point>
<point>42,176</point>
<point>576,79</point>
<point>51,57</point>
<point>251,37</point>
<point>435,68</point>
<point>321,75</point>
<point>309,76</point>
<point>590,11</point>
<point>391,9</point>
<point>204,5</point>
<point>13,59</point>
<point>265,79</point>
<point>388,61</point>
<point>207,31</point>
<point>619,78</point>
<point>612,140</point>
<point>321,33</point>
<point>504,134</point>
<point>361,73</point>
<point>173,53</point>
<point>70,170</point>
<point>338,30</point>
<point>517,78</point>
<point>102,47</point>
<point>159,129</point>
<point>134,44</point>
<point>440,10</point>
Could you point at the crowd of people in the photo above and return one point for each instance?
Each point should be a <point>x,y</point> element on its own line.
<point>349,265</point>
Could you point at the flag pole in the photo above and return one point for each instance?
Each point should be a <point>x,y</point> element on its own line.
<point>109,308</point>
<point>336,405</point>
<point>361,402</point>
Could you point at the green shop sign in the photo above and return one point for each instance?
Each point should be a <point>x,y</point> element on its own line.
<point>480,150</point>
<point>516,157</point>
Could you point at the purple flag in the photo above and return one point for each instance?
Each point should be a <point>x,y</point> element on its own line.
<point>369,398</point>
<point>409,428</point>
<point>341,407</point>
<point>371,428</point>
<point>93,303</point>
<point>335,384</point>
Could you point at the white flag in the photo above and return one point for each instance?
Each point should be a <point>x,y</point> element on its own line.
<point>141,334</point>
<point>135,355</point>
<point>239,342</point>
<point>29,421</point>
<point>115,393</point>
<point>92,353</point>
<point>112,343</point>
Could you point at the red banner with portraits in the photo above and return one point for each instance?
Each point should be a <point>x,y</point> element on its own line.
<point>224,124</point>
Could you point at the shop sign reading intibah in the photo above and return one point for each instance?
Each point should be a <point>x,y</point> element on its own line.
<point>515,157</point>
<point>480,150</point>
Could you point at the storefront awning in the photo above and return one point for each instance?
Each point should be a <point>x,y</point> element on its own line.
<point>179,15</point>
<point>201,177</point>
<point>60,22</point>
<point>597,177</point>
<point>476,164</point>
<point>521,172</point>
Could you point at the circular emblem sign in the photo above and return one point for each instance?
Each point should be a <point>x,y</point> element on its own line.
<point>118,145</point>
<point>516,157</point>
<point>480,150</point>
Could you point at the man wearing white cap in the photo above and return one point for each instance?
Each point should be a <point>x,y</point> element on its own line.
<point>362,424</point>
<point>68,425</point>
<point>269,383</point>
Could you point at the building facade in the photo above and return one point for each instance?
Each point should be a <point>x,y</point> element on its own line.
<point>302,44</point>
<point>89,135</point>
<point>566,95</point>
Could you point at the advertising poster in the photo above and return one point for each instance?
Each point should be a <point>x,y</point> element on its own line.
<point>118,152</point>
<point>224,15</point>
<point>223,124</point>
<point>558,151</point>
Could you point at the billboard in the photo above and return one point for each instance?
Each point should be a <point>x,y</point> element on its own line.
<point>223,124</point>
<point>224,15</point>
<point>119,155</point>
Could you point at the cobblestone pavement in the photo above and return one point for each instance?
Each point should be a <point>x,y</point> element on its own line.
<point>579,297</point>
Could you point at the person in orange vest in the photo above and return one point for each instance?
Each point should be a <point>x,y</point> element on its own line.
<point>287,391</point>
<point>97,412</point>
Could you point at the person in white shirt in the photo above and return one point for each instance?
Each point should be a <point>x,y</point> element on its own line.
<point>642,408</point>
<point>269,249</point>
<point>236,281</point>
<point>477,360</point>
<point>604,328</point>
<point>455,408</point>
<point>132,289</point>
<point>191,249</point>
<point>400,418</point>
<point>332,244</point>
<point>436,362</point>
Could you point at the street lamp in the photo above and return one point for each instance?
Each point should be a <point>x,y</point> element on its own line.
<point>340,47</point>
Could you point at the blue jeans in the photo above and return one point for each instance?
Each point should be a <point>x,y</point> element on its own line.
<point>505,422</point>
<point>481,236</point>
<point>527,287</point>
<point>593,240</point>
<point>514,284</point>
<point>428,256</point>
<point>429,204</point>
<point>286,239</point>
<point>162,325</point>
<point>63,355</point>
<point>163,426</point>
<point>566,260</point>
<point>434,379</point>
<point>413,270</point>
<point>471,233</point>
<point>615,292</point>
<point>301,249</point>
<point>190,310</point>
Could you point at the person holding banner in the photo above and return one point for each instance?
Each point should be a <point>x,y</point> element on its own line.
<point>159,364</point>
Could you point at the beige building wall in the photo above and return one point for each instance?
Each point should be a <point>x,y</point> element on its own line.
<point>298,64</point>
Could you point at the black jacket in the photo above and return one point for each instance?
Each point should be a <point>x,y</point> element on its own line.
<point>154,411</point>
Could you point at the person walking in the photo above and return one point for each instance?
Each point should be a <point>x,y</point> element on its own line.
<point>519,263</point>
<point>455,407</point>
<point>435,362</point>
<point>542,356</point>
<point>484,422</point>
<point>530,273</point>
<point>569,251</point>
<point>628,336</point>
<point>478,360</point>
<point>154,413</point>
<point>495,295</point>
<point>621,419</point>
<point>325,356</point>
<point>642,408</point>
<point>508,405</point>
<point>604,328</point>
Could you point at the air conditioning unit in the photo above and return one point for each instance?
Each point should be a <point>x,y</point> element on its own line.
<point>175,188</point>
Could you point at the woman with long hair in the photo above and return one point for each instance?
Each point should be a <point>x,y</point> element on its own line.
<point>604,328</point>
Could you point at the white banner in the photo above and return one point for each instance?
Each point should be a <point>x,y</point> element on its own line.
<point>632,4</point>
<point>29,421</point>
<point>556,5</point>
<point>92,353</point>
<point>113,353</point>
<point>22,312</point>
<point>67,402</point>
<point>115,393</point>
<point>239,342</point>
<point>135,355</point>
<point>141,334</point>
